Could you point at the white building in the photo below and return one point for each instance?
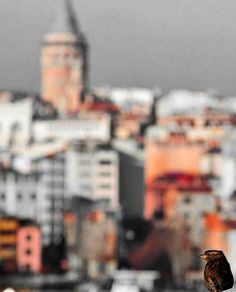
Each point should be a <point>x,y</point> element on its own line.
<point>18,193</point>
<point>93,173</point>
<point>89,126</point>
<point>35,188</point>
<point>186,101</point>
<point>15,122</point>
<point>51,196</point>
<point>228,179</point>
<point>128,97</point>
<point>192,207</point>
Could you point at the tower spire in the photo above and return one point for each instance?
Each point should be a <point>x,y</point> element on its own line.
<point>65,21</point>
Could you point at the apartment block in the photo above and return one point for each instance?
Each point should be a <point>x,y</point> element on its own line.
<point>92,172</point>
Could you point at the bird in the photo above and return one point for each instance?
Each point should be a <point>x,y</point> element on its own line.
<point>217,273</point>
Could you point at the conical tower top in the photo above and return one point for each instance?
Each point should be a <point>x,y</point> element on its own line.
<point>65,21</point>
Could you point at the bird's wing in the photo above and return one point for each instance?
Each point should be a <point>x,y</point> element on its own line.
<point>226,275</point>
<point>212,284</point>
<point>211,276</point>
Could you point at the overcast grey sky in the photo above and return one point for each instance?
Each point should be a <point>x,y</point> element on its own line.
<point>166,43</point>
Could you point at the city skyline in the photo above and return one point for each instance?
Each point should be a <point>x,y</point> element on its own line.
<point>168,44</point>
<point>150,179</point>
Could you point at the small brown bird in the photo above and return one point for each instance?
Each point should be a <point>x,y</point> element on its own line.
<point>217,273</point>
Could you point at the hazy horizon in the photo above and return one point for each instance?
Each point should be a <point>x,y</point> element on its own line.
<point>148,43</point>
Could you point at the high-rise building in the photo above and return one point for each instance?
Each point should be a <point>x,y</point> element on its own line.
<point>92,172</point>
<point>64,62</point>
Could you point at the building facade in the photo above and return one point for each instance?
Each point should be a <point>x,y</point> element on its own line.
<point>29,248</point>
<point>37,192</point>
<point>93,173</point>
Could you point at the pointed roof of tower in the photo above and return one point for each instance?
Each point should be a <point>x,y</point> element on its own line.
<point>65,21</point>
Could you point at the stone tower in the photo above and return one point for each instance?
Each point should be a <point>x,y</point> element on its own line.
<point>64,62</point>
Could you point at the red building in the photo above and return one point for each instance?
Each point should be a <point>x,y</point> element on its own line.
<point>29,246</point>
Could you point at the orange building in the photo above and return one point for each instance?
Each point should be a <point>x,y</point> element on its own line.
<point>29,248</point>
<point>168,153</point>
<point>64,62</point>
<point>216,230</point>
<point>220,233</point>
<point>179,150</point>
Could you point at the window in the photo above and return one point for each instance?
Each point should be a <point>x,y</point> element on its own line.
<point>33,196</point>
<point>4,177</point>
<point>105,162</point>
<point>106,174</point>
<point>86,187</point>
<point>16,177</point>
<point>27,268</point>
<point>19,196</point>
<point>85,162</point>
<point>84,174</point>
<point>28,237</point>
<point>15,127</point>
<point>28,251</point>
<point>187,200</point>
<point>105,186</point>
<point>186,215</point>
<point>2,196</point>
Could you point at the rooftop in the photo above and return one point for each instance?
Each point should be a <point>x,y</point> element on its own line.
<point>182,182</point>
<point>65,21</point>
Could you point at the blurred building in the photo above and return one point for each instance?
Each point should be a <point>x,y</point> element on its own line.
<point>139,99</point>
<point>51,197</point>
<point>100,257</point>
<point>64,62</point>
<point>134,108</point>
<point>18,193</point>
<point>93,172</point>
<point>29,247</point>
<point>189,156</point>
<point>15,127</point>
<point>220,233</point>
<point>131,177</point>
<point>190,150</point>
<point>8,244</point>
<point>228,185</point>
<point>88,126</point>
<point>35,188</point>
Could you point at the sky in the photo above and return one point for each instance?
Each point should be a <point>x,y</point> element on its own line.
<point>143,43</point>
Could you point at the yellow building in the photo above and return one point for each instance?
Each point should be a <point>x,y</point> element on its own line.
<point>8,230</point>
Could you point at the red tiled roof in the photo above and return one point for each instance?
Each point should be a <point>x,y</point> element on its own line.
<point>104,106</point>
<point>181,181</point>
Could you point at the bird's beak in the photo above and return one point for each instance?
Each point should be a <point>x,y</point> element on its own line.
<point>203,256</point>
